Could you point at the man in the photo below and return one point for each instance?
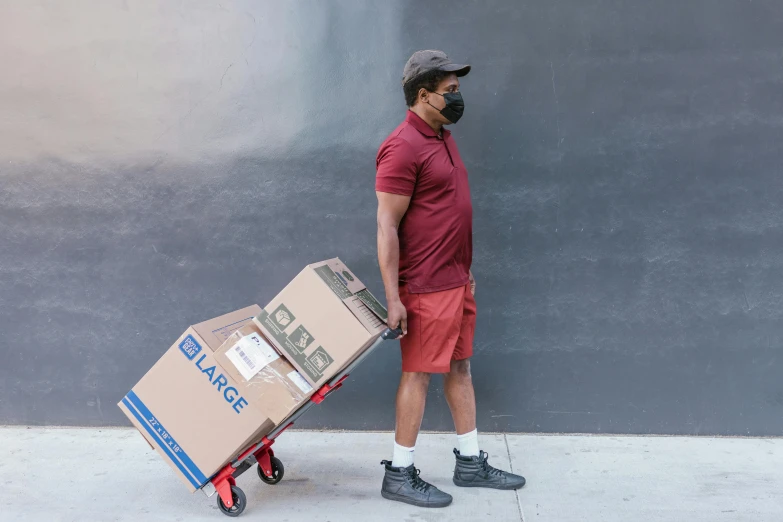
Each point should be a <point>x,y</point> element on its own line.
<point>425,251</point>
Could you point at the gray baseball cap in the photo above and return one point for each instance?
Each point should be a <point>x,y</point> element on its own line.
<point>425,61</point>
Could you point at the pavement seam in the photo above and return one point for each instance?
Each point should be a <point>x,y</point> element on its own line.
<point>511,468</point>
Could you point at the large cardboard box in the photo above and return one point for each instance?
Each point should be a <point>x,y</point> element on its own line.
<point>195,408</point>
<point>322,320</point>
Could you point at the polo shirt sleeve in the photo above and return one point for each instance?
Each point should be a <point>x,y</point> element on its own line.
<point>396,168</point>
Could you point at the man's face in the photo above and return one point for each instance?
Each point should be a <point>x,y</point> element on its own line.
<point>434,103</point>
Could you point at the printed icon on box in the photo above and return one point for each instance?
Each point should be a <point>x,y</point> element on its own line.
<point>283,317</point>
<point>301,338</point>
<point>190,347</point>
<point>320,360</point>
<point>348,275</point>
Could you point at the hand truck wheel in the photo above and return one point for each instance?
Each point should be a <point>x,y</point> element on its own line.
<point>277,472</point>
<point>240,503</point>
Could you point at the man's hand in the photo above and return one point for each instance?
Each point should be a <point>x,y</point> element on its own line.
<point>472,283</point>
<point>398,317</point>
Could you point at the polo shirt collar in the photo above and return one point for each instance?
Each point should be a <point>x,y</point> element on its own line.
<point>420,125</point>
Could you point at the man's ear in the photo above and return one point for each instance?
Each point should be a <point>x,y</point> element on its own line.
<point>423,95</point>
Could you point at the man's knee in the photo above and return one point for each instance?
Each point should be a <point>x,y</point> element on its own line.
<point>460,368</point>
<point>416,379</point>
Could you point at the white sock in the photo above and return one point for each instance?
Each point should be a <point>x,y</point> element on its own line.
<point>468,444</point>
<point>403,457</point>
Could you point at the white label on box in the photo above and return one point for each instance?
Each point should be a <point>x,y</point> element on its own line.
<point>300,381</point>
<point>250,354</point>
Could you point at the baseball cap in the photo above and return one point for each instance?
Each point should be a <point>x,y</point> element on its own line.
<point>424,61</point>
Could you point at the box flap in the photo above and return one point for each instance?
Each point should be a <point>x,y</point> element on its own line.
<point>215,331</point>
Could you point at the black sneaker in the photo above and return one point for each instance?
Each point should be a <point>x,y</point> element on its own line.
<point>405,485</point>
<point>475,472</point>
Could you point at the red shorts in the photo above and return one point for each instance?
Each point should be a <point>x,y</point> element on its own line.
<point>440,329</point>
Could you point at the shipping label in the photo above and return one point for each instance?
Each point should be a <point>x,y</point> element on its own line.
<point>251,354</point>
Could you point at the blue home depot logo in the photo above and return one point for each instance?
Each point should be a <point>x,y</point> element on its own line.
<point>191,348</point>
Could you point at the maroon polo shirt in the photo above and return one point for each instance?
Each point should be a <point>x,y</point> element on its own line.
<point>436,233</point>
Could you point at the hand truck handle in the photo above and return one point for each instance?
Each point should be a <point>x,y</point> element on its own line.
<point>390,334</point>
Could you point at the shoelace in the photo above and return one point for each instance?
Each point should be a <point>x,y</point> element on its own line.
<point>416,482</point>
<point>487,468</point>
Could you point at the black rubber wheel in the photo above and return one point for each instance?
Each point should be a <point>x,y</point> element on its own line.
<point>277,472</point>
<point>240,503</point>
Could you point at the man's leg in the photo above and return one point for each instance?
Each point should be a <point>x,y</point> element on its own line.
<point>411,399</point>
<point>472,468</point>
<point>401,481</point>
<point>458,382</point>
<point>458,386</point>
<point>426,349</point>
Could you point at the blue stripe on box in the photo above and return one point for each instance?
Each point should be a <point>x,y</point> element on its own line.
<point>166,438</point>
<point>156,430</point>
<point>165,448</point>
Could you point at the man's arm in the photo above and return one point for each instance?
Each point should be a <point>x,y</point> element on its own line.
<point>391,209</point>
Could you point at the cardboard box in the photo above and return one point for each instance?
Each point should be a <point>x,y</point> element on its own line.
<point>322,320</point>
<point>193,406</point>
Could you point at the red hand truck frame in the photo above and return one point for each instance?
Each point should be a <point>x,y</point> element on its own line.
<point>231,500</point>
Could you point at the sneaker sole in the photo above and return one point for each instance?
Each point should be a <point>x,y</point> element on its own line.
<point>417,503</point>
<point>504,487</point>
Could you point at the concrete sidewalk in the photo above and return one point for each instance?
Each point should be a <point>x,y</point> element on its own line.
<point>54,475</point>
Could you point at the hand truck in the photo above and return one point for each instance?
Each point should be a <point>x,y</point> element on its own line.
<point>231,500</point>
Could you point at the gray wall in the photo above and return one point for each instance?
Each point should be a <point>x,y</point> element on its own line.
<point>160,165</point>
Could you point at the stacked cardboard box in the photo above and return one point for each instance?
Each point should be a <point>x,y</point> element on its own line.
<point>227,382</point>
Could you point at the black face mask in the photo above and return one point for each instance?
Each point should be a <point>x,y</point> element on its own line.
<point>454,106</point>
